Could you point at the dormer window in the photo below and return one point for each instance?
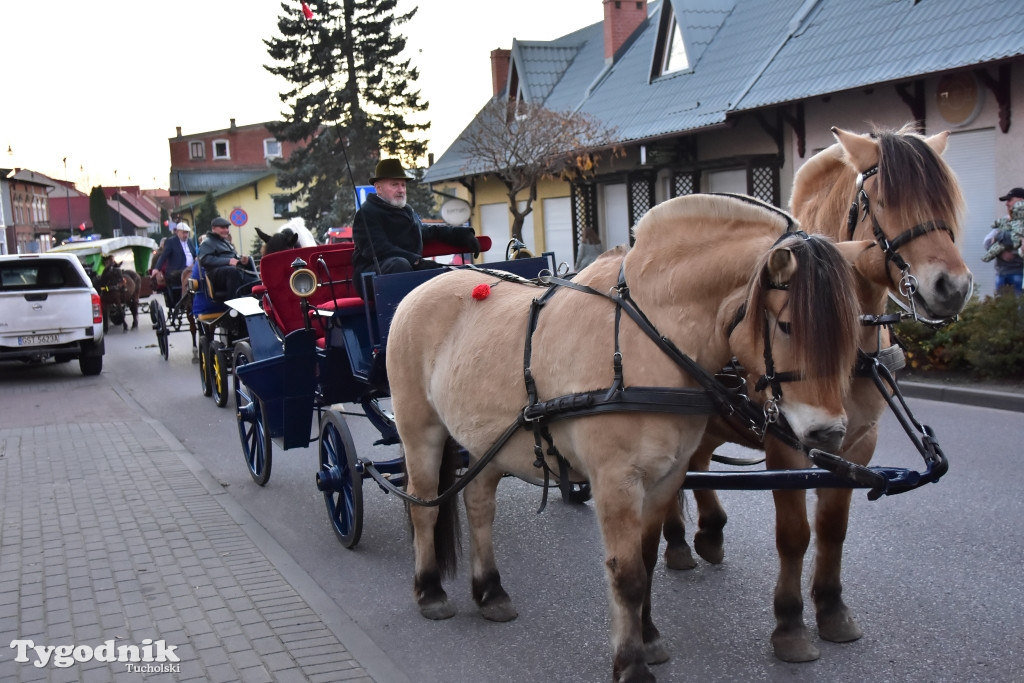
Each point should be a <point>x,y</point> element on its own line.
<point>684,32</point>
<point>221,149</point>
<point>674,50</point>
<point>271,148</point>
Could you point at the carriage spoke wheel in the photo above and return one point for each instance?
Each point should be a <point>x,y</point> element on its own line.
<point>257,447</point>
<point>160,324</point>
<point>204,366</point>
<point>219,373</point>
<point>339,479</point>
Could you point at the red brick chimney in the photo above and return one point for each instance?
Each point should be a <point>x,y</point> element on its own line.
<point>621,19</point>
<point>499,68</point>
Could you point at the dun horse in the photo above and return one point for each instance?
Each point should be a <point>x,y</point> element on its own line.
<point>891,187</point>
<point>119,290</point>
<point>454,363</point>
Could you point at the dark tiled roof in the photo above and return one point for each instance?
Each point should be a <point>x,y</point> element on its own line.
<point>750,54</point>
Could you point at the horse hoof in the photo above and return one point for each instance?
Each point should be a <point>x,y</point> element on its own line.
<point>634,674</point>
<point>794,646</point>
<point>679,557</point>
<point>499,610</point>
<point>709,546</point>
<point>839,628</point>
<point>438,610</point>
<point>655,653</point>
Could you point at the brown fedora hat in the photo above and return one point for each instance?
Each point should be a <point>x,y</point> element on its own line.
<point>390,169</point>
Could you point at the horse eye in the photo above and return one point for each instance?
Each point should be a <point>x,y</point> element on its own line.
<point>784,327</point>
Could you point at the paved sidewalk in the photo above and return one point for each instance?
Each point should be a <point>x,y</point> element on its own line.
<point>111,531</point>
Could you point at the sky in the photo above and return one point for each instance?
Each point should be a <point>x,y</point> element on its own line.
<point>94,89</point>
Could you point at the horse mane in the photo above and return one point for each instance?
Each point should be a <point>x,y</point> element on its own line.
<point>822,305</point>
<point>701,208</point>
<point>915,182</point>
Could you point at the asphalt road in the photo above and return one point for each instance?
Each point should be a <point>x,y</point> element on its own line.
<point>933,575</point>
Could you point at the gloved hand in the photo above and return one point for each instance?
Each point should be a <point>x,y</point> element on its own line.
<point>466,238</point>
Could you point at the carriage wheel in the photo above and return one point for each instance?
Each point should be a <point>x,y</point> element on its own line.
<point>204,365</point>
<point>219,373</point>
<point>252,425</point>
<point>176,318</point>
<point>160,324</point>
<point>339,479</point>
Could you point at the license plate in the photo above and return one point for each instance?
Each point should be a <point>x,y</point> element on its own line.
<point>38,339</point>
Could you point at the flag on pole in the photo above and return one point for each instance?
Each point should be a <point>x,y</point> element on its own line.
<point>306,12</point>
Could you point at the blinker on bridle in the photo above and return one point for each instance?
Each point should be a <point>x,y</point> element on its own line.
<point>861,209</point>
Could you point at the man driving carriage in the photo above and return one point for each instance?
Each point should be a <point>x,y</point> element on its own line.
<point>227,270</point>
<point>389,235</point>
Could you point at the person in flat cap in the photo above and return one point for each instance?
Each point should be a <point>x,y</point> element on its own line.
<point>389,235</point>
<point>229,273</point>
<point>1003,243</point>
<point>176,257</point>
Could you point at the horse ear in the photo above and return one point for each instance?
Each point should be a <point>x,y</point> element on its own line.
<point>781,265</point>
<point>293,239</point>
<point>938,142</point>
<point>861,150</point>
<point>263,236</point>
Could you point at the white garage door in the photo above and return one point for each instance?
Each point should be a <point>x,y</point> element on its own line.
<point>615,212</point>
<point>734,181</point>
<point>558,229</point>
<point>970,155</point>
<point>496,220</point>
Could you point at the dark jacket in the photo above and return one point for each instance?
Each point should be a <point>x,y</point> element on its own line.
<point>382,230</point>
<point>173,255</point>
<point>216,251</point>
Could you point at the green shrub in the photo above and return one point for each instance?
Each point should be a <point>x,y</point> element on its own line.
<point>986,341</point>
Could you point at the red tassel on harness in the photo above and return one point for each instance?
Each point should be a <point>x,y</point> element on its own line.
<point>481,292</point>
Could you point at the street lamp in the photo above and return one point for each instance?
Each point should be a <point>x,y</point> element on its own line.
<point>67,196</point>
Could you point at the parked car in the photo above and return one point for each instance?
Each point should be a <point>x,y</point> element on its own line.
<point>50,309</point>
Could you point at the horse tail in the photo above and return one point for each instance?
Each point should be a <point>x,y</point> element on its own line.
<point>447,531</point>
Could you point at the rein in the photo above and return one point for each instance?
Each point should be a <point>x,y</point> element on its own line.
<point>861,207</point>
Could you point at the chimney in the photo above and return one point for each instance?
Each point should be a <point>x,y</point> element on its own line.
<point>621,19</point>
<point>232,124</point>
<point>499,69</point>
<point>178,128</point>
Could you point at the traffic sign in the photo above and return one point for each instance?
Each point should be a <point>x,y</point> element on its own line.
<point>238,217</point>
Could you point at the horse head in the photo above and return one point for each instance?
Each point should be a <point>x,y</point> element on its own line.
<point>783,303</point>
<point>796,335</point>
<point>291,235</point>
<point>894,188</point>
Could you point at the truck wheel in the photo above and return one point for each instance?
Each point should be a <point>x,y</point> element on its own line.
<point>90,365</point>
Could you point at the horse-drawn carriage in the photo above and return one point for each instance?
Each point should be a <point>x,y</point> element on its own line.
<point>114,263</point>
<point>618,383</point>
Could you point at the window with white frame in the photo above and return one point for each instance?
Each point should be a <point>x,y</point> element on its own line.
<point>271,148</point>
<point>674,50</point>
<point>221,149</point>
<point>195,150</point>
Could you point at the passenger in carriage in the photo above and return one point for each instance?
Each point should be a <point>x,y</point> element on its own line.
<point>389,235</point>
<point>226,268</point>
<point>176,256</point>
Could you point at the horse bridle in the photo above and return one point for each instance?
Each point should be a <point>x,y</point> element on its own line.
<point>861,206</point>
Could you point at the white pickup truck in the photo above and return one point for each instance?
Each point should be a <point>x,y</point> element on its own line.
<point>49,309</point>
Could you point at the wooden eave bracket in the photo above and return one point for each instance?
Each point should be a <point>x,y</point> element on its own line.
<point>915,101</point>
<point>1000,88</point>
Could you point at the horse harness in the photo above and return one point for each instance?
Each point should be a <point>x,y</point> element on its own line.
<point>861,207</point>
<point>722,393</point>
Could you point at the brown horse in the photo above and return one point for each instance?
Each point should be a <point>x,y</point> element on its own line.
<point>119,289</point>
<point>906,197</point>
<point>455,367</point>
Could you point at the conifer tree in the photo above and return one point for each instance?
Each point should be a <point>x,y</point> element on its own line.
<point>350,98</point>
<point>99,212</point>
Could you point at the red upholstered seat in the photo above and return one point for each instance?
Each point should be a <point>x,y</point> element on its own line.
<point>334,274</point>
